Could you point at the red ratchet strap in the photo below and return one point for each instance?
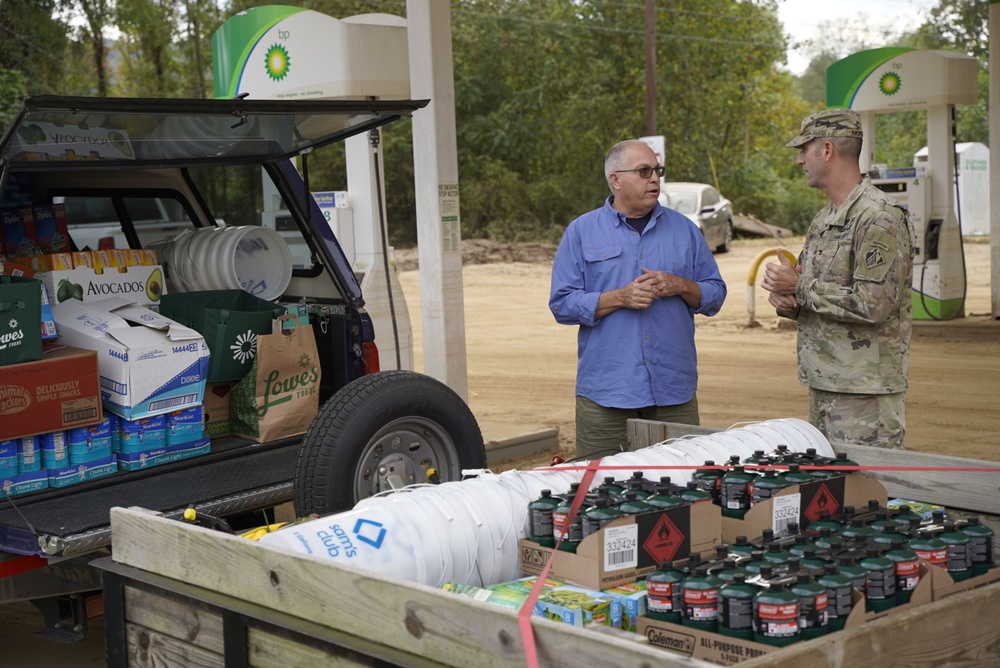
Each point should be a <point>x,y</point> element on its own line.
<point>802,467</point>
<point>524,615</point>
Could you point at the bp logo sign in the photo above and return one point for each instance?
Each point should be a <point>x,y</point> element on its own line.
<point>889,83</point>
<point>277,62</point>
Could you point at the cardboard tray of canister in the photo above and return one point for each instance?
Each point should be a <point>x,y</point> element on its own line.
<point>181,590</point>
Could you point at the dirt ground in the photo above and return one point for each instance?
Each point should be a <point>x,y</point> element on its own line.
<point>522,364</point>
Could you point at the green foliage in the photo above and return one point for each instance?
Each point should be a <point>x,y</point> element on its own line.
<point>542,90</point>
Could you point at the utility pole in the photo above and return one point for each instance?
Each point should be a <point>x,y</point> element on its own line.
<point>650,67</point>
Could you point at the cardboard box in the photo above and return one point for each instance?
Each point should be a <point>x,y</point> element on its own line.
<point>634,599</point>
<point>944,585</point>
<point>141,285</point>
<point>215,410</point>
<point>58,392</point>
<point>71,475</point>
<point>579,606</point>
<point>719,649</point>
<point>629,548</point>
<point>23,483</point>
<point>135,461</point>
<point>149,364</point>
<point>803,504</point>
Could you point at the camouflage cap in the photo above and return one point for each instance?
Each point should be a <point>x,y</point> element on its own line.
<point>828,123</point>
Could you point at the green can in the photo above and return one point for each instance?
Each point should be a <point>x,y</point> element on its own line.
<point>980,544</point>
<point>633,505</point>
<point>813,598</point>
<point>701,600</point>
<point>693,494</point>
<point>959,555</point>
<point>735,492</point>
<point>880,581</point>
<point>736,608</point>
<point>839,596</point>
<point>665,594</point>
<point>907,565</point>
<point>776,616</point>
<point>540,518</point>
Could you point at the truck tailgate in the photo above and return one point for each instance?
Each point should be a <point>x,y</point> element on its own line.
<point>236,476</point>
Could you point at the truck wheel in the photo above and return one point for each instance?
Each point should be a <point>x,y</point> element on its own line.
<point>383,430</point>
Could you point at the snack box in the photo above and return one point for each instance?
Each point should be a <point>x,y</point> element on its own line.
<point>59,391</point>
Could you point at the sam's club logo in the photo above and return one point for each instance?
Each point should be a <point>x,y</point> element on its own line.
<point>370,532</point>
<point>277,62</point>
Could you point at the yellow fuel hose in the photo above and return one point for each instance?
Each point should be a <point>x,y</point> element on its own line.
<point>752,278</point>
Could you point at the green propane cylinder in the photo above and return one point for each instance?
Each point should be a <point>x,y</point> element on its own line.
<point>540,518</point>
<point>633,505</point>
<point>728,571</point>
<point>701,600</point>
<point>736,608</point>
<point>796,476</point>
<point>663,498</point>
<point>599,515</point>
<point>776,616</point>
<point>959,554</point>
<point>741,547</point>
<point>665,593</point>
<point>907,569</point>
<point>693,494</point>
<point>930,549</point>
<point>856,527</point>
<point>735,492</point>
<point>813,598</point>
<point>709,479</point>
<point>571,533</point>
<point>766,485</point>
<point>824,521</point>
<point>880,581</point>
<point>839,596</point>
<point>980,544</point>
<point>849,568</point>
<point>638,484</point>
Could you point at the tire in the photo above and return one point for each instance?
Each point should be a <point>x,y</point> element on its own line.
<point>397,421</point>
<point>727,238</point>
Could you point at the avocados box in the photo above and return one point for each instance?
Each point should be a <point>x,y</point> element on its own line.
<point>803,504</point>
<point>628,548</point>
<point>140,284</point>
<point>59,391</point>
<point>148,364</point>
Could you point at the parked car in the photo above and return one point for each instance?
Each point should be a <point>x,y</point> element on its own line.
<point>706,207</point>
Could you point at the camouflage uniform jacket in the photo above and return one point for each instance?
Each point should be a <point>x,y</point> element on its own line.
<point>855,310</point>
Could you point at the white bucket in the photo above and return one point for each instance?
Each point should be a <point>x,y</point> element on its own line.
<point>252,258</point>
<point>468,531</point>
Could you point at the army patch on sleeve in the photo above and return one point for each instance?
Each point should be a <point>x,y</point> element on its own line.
<point>878,250</point>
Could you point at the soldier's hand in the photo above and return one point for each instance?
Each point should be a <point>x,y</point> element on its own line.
<point>781,278</point>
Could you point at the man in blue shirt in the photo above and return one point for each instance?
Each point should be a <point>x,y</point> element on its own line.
<point>632,274</point>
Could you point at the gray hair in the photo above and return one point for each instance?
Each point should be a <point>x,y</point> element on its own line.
<point>615,158</point>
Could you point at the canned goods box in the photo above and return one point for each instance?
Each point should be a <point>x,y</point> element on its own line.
<point>148,364</point>
<point>628,548</point>
<point>59,391</point>
<point>135,461</point>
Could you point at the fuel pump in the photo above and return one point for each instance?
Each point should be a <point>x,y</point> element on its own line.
<point>893,80</point>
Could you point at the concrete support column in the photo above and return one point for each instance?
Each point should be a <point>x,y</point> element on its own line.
<point>435,158</point>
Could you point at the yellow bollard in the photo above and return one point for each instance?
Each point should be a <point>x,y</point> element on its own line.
<point>752,280</point>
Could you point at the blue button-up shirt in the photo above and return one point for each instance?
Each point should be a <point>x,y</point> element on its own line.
<point>633,358</point>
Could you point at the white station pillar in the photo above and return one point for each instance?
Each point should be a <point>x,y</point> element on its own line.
<point>435,158</point>
<point>994,39</point>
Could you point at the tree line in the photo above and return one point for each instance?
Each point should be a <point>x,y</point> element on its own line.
<point>542,89</point>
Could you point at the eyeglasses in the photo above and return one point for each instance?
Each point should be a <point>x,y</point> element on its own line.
<point>645,172</point>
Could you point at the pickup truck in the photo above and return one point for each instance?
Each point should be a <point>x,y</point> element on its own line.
<point>375,430</point>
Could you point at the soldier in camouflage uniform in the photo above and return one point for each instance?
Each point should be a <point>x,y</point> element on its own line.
<point>850,291</point>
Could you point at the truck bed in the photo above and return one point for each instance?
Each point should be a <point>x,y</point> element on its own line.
<point>236,476</point>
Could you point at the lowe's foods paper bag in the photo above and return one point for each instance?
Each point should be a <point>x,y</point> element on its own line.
<point>279,396</point>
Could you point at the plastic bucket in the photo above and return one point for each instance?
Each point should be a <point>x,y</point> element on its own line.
<point>261,261</point>
<point>250,257</point>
